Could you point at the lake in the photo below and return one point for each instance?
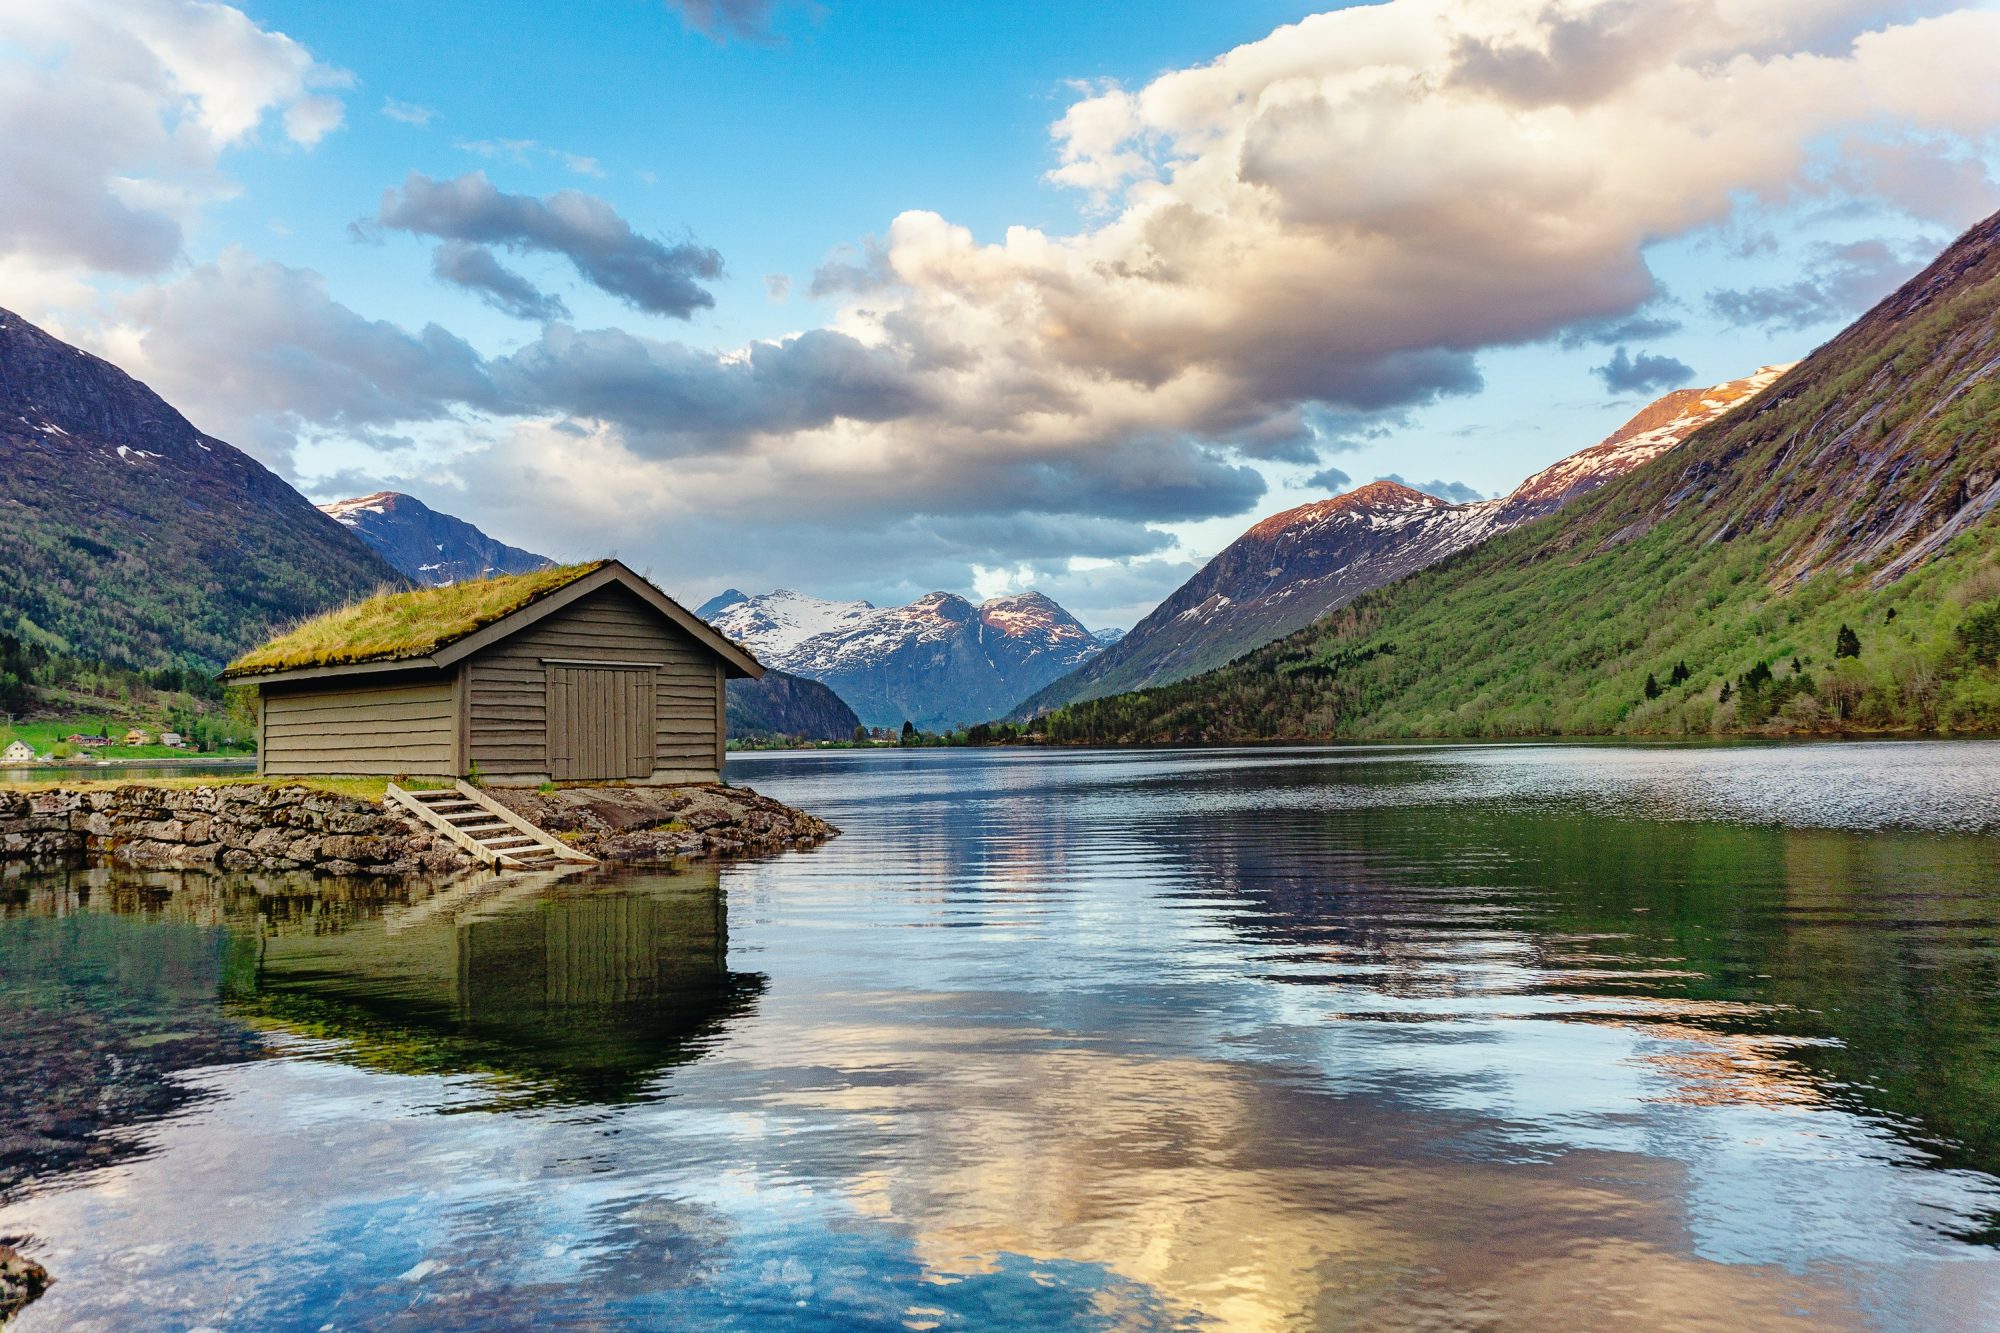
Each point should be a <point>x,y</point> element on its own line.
<point>1390,1037</point>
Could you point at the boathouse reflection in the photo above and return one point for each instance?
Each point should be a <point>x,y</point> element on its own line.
<point>580,990</point>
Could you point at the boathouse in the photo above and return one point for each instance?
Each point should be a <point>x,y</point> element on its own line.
<point>583,673</point>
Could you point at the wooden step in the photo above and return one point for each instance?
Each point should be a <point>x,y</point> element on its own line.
<point>488,829</point>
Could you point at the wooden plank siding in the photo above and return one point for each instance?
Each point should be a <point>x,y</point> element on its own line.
<point>508,688</point>
<point>408,727</point>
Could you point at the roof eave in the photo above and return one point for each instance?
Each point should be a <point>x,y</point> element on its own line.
<point>329,670</point>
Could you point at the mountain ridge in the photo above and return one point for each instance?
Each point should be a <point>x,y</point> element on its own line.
<point>135,538</point>
<point>427,546</point>
<point>1828,559</point>
<point>939,662</point>
<point>1291,568</point>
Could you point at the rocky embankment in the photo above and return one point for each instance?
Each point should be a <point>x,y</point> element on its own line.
<point>254,826</point>
<point>654,825</point>
<point>228,826</point>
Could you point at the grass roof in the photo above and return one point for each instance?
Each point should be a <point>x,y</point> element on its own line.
<point>394,625</point>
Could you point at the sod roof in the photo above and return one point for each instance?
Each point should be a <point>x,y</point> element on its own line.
<point>392,626</point>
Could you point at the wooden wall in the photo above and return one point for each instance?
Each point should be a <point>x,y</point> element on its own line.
<point>507,687</point>
<point>390,728</point>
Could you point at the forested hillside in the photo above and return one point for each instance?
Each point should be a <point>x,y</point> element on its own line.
<point>1824,559</point>
<point>130,537</point>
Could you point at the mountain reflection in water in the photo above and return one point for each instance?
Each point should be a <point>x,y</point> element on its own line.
<point>1480,1037</point>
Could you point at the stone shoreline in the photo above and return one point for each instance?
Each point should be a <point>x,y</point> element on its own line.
<point>257,826</point>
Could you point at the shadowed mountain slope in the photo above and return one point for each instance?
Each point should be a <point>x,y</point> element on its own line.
<point>426,546</point>
<point>1292,568</point>
<point>133,538</point>
<point>1707,591</point>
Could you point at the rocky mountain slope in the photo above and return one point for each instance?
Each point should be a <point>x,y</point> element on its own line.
<point>782,706</point>
<point>128,536</point>
<point>1292,568</point>
<point>940,662</point>
<point>1827,557</point>
<point>428,547</point>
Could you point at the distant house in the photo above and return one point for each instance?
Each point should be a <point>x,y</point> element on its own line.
<point>584,673</point>
<point>138,736</point>
<point>88,742</point>
<point>172,739</point>
<point>20,752</point>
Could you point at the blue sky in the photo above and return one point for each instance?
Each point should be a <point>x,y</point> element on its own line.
<point>1093,293</point>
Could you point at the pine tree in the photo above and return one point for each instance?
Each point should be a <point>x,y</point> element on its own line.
<point>909,731</point>
<point>1652,686</point>
<point>1847,643</point>
<point>1680,674</point>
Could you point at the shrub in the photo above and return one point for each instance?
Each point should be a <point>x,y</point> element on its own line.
<point>1979,634</point>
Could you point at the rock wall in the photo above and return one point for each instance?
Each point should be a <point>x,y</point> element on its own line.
<point>232,826</point>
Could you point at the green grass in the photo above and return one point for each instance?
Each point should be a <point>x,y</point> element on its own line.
<point>395,625</point>
<point>1743,552</point>
<point>369,789</point>
<point>44,736</point>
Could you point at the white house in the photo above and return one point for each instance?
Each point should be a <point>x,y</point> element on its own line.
<point>172,738</point>
<point>17,753</point>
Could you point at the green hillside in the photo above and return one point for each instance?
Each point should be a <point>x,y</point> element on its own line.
<point>132,539</point>
<point>1858,492</point>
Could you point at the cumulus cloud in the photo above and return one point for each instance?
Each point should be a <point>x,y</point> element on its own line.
<point>1845,280</point>
<point>115,117</point>
<point>1644,373</point>
<point>1457,492</point>
<point>647,274</point>
<point>1317,231</point>
<point>256,353</point>
<point>1329,479</point>
<point>479,271</point>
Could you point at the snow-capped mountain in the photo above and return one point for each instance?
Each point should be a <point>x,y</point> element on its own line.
<point>428,547</point>
<point>1292,568</point>
<point>939,662</point>
<point>776,622</point>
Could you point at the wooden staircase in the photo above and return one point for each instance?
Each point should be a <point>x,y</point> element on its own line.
<point>489,830</point>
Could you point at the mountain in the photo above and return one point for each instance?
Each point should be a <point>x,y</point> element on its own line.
<point>1294,567</point>
<point>777,622</point>
<point>429,548</point>
<point>782,706</point>
<point>1107,637</point>
<point>133,538</point>
<point>1827,558</point>
<point>939,662</point>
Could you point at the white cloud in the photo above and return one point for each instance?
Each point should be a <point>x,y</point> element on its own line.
<point>114,118</point>
<point>1316,231</point>
<point>409,113</point>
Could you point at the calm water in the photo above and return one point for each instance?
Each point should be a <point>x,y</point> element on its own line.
<point>1435,1038</point>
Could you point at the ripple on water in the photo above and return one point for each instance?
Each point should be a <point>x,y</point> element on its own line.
<point>1393,1037</point>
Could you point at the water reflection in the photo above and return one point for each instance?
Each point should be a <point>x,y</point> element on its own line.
<point>1252,1041</point>
<point>554,989</point>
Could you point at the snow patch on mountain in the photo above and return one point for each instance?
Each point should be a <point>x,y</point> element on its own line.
<point>940,661</point>
<point>1293,567</point>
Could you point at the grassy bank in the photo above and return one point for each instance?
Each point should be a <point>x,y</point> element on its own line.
<point>366,789</point>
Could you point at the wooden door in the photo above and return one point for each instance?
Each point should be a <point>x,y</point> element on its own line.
<point>600,722</point>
